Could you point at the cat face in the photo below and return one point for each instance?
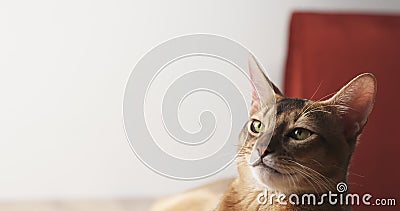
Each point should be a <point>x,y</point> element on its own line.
<point>309,148</point>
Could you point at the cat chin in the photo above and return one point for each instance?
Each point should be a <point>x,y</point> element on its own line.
<point>268,179</point>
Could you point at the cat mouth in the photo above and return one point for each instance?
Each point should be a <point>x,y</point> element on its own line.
<point>268,168</point>
<point>271,169</point>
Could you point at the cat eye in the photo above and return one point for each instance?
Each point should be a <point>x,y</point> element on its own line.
<point>256,126</point>
<point>300,134</point>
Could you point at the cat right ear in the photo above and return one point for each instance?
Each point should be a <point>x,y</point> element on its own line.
<point>263,91</point>
<point>355,102</point>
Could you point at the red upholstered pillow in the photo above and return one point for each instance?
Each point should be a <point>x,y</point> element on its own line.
<point>328,50</point>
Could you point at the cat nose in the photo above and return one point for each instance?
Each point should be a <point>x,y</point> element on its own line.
<point>263,151</point>
<point>258,154</point>
<point>263,146</point>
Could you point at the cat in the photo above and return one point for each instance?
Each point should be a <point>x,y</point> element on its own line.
<point>309,148</point>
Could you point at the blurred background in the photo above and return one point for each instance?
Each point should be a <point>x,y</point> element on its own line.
<point>63,68</point>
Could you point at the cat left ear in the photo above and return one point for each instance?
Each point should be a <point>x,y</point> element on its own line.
<point>355,102</point>
<point>263,91</point>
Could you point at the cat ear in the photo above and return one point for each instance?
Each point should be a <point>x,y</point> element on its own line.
<point>263,91</point>
<point>355,102</point>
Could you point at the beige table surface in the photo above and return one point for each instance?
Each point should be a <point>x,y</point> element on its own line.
<point>77,205</point>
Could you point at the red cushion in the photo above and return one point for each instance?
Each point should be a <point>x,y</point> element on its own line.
<point>331,49</point>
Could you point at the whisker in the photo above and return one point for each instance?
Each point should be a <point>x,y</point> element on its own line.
<point>320,83</point>
<point>316,110</point>
<point>319,177</point>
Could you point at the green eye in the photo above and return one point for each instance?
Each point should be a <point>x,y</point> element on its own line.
<point>256,126</point>
<point>300,134</point>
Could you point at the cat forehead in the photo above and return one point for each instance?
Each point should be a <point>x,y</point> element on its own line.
<point>290,105</point>
<point>285,106</point>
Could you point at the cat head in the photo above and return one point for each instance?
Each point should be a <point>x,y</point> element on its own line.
<point>309,148</point>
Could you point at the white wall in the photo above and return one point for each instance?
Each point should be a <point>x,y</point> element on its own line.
<point>63,67</point>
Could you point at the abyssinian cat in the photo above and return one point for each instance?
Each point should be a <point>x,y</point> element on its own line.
<point>309,149</point>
